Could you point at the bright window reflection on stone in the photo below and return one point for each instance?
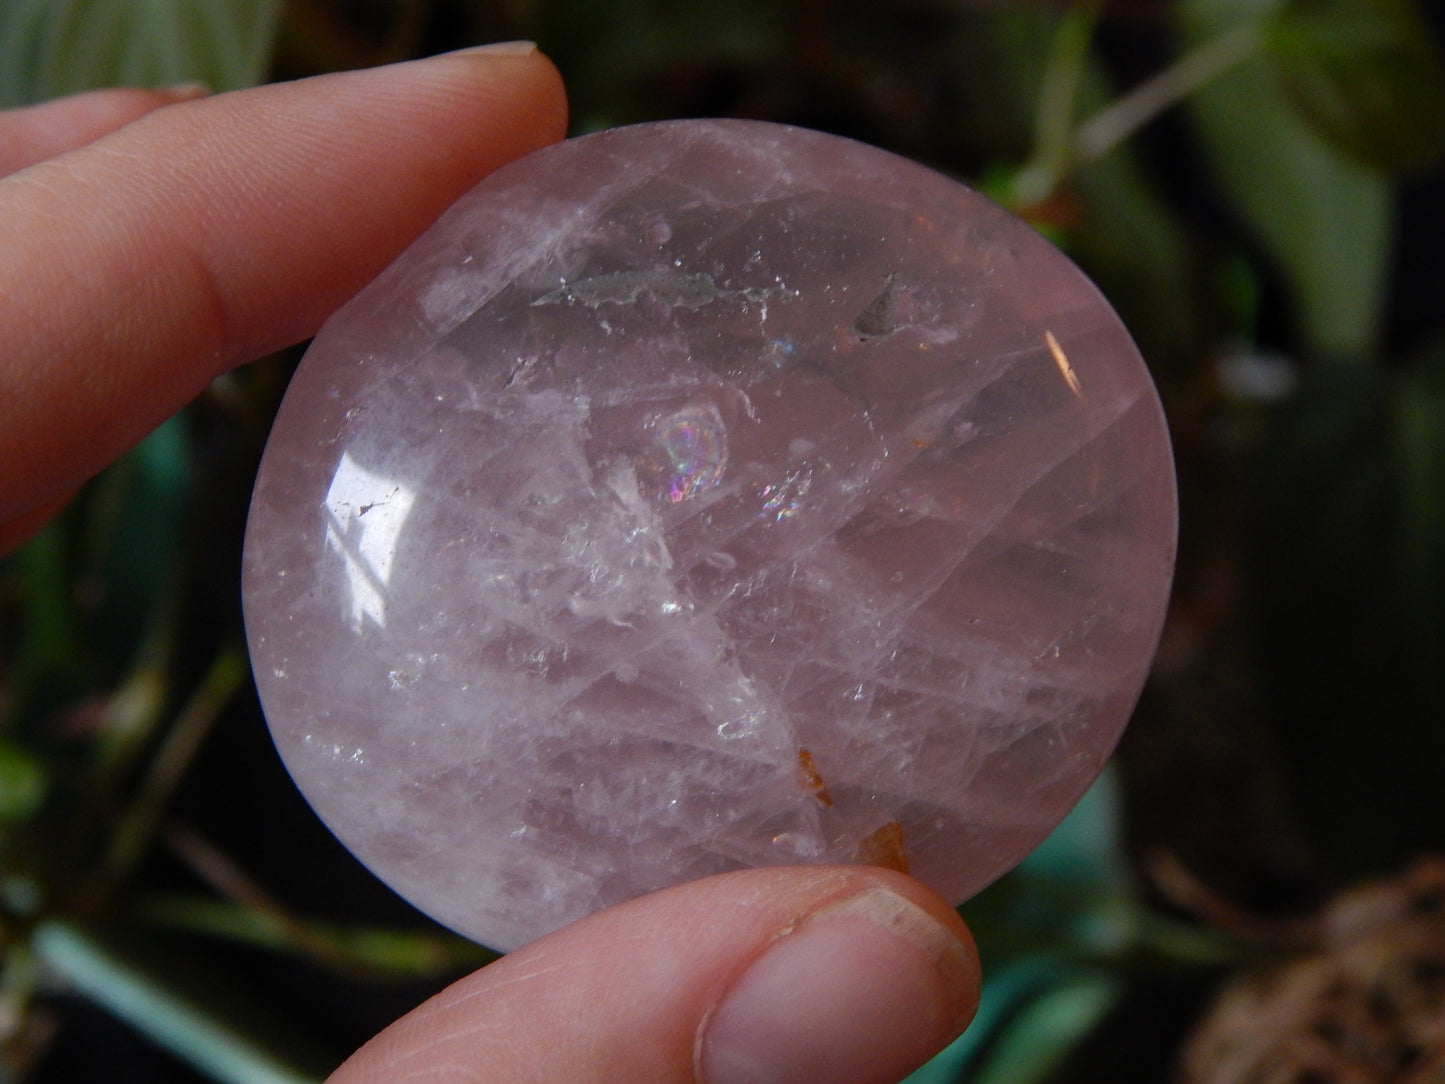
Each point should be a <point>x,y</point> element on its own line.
<point>365,513</point>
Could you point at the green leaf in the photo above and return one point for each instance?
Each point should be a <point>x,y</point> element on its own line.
<point>50,48</point>
<point>23,783</point>
<point>1322,218</point>
<point>1037,1040</point>
<point>1030,1018</point>
<point>47,665</point>
<point>1006,992</point>
<point>1366,75</point>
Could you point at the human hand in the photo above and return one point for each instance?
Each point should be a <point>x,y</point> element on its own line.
<point>154,256</point>
<point>141,260</point>
<point>796,975</point>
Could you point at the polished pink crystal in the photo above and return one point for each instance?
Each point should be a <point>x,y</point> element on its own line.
<point>702,495</point>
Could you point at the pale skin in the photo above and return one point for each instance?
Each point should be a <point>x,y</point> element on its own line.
<point>154,240</point>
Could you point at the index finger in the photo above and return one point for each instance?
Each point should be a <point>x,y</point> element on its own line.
<point>137,268</point>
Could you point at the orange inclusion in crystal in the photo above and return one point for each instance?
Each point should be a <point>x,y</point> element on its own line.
<point>811,779</point>
<point>885,848</point>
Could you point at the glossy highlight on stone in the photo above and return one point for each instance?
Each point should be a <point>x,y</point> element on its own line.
<point>702,495</point>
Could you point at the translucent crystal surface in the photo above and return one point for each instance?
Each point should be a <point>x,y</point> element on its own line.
<point>702,495</point>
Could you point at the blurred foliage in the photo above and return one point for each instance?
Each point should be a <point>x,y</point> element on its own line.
<point>1322,217</point>
<point>1365,76</point>
<point>1255,185</point>
<point>49,48</point>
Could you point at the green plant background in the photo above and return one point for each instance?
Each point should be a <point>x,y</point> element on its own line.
<point>1256,186</point>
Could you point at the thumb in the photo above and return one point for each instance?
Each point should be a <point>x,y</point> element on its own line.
<point>830,975</point>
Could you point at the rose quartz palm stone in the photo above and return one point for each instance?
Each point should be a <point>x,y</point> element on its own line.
<point>703,495</point>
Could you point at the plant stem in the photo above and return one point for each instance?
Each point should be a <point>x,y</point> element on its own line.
<point>211,1043</point>
<point>250,913</point>
<point>1119,120</point>
<point>1058,91</point>
<point>1055,117</point>
<point>138,823</point>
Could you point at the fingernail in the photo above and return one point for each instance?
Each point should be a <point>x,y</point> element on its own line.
<point>185,92</point>
<point>499,48</point>
<point>863,991</point>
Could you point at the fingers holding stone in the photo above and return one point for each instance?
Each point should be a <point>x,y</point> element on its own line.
<point>848,975</point>
<point>142,264</point>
